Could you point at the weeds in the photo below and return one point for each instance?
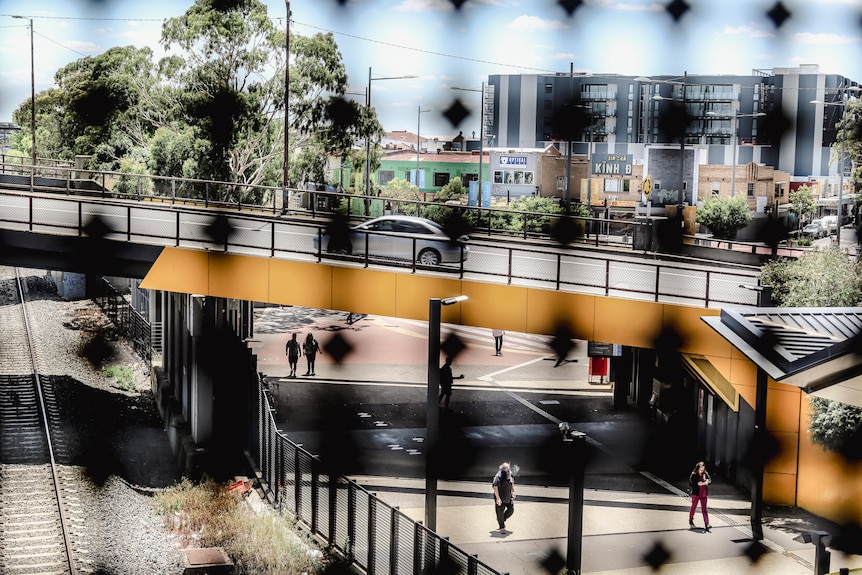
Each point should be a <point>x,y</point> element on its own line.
<point>122,375</point>
<point>264,543</point>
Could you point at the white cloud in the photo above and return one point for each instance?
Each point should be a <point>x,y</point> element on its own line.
<point>825,39</point>
<point>747,31</point>
<point>629,6</point>
<point>83,47</point>
<point>567,56</point>
<point>526,23</point>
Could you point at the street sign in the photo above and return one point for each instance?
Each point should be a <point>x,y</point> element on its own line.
<point>647,186</point>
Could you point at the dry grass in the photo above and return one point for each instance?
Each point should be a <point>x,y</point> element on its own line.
<point>259,543</point>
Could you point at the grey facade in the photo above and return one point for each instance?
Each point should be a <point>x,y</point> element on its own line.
<point>625,115</point>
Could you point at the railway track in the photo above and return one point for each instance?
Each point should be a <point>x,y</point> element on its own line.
<point>38,514</point>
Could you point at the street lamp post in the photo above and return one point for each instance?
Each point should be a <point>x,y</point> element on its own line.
<point>285,195</point>
<point>432,414</point>
<point>843,105</point>
<point>481,131</point>
<point>368,136</point>
<point>32,103</point>
<point>733,130</point>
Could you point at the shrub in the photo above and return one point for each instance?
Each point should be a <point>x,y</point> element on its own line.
<point>836,426</point>
<point>724,216</point>
<point>264,543</point>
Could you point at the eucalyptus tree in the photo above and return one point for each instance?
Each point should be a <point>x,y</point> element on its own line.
<point>228,75</point>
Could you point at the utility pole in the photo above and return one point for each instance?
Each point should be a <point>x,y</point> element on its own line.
<point>285,196</point>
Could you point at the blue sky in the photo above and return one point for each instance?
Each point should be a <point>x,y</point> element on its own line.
<point>446,48</point>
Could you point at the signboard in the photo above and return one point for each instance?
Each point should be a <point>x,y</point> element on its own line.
<point>513,160</point>
<point>612,164</point>
<point>599,349</point>
<point>647,186</point>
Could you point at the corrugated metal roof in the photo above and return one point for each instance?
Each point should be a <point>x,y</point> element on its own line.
<point>816,349</point>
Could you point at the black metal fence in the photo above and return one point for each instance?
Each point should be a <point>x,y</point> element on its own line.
<point>128,322</point>
<point>375,537</point>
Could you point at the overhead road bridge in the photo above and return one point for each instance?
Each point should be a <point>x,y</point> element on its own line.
<point>198,254</point>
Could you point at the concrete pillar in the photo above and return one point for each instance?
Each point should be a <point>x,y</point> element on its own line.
<point>200,378</point>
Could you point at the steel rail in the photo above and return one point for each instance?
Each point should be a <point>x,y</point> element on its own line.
<point>54,474</point>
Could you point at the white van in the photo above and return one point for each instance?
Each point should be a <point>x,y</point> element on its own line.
<point>831,223</point>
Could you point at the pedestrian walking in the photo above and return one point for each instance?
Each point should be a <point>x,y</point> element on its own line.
<point>446,379</point>
<point>293,350</point>
<point>504,494</point>
<point>310,348</point>
<point>698,482</point>
<point>498,340</point>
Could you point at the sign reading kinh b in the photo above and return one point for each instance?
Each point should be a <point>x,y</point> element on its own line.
<point>612,164</point>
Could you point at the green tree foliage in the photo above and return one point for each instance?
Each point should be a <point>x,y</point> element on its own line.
<point>93,110</point>
<point>836,426</point>
<point>802,203</point>
<point>822,278</point>
<point>724,216</point>
<point>213,108</point>
<point>853,141</point>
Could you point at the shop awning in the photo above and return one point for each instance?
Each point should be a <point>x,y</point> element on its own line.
<point>702,370</point>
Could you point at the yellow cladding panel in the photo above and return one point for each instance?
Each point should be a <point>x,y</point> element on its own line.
<point>414,293</point>
<point>546,310</point>
<point>634,323</point>
<point>239,277</point>
<point>829,484</point>
<point>180,271</point>
<point>696,334</point>
<point>782,408</point>
<point>363,291</point>
<point>300,283</point>
<point>495,306</point>
<point>785,461</point>
<point>779,488</point>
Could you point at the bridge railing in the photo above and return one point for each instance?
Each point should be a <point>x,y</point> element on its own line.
<point>16,173</point>
<point>506,260</point>
<point>372,535</point>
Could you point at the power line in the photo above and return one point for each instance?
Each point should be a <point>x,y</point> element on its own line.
<point>89,18</point>
<point>442,54</point>
<point>60,45</point>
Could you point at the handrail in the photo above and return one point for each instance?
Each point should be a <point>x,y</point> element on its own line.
<point>340,512</point>
<point>608,272</point>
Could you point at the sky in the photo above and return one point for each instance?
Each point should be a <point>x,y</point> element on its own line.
<point>444,47</point>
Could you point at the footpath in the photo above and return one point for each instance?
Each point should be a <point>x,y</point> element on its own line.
<point>628,521</point>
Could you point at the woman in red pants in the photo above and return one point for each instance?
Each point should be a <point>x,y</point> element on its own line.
<point>698,482</point>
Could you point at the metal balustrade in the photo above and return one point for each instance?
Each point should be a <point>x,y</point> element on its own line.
<point>513,261</point>
<point>374,536</point>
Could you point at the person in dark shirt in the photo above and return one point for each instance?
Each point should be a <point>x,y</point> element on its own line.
<point>446,378</point>
<point>504,494</point>
<point>293,350</point>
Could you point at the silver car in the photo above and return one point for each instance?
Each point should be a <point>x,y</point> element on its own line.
<point>401,238</point>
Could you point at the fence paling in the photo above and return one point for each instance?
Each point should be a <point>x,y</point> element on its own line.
<point>371,534</point>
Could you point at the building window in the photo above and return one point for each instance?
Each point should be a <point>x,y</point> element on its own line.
<point>716,189</point>
<point>627,186</point>
<point>441,179</point>
<point>751,190</point>
<point>549,88</point>
<point>385,176</point>
<point>612,185</point>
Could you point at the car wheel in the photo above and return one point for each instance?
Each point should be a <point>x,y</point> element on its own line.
<point>429,257</point>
